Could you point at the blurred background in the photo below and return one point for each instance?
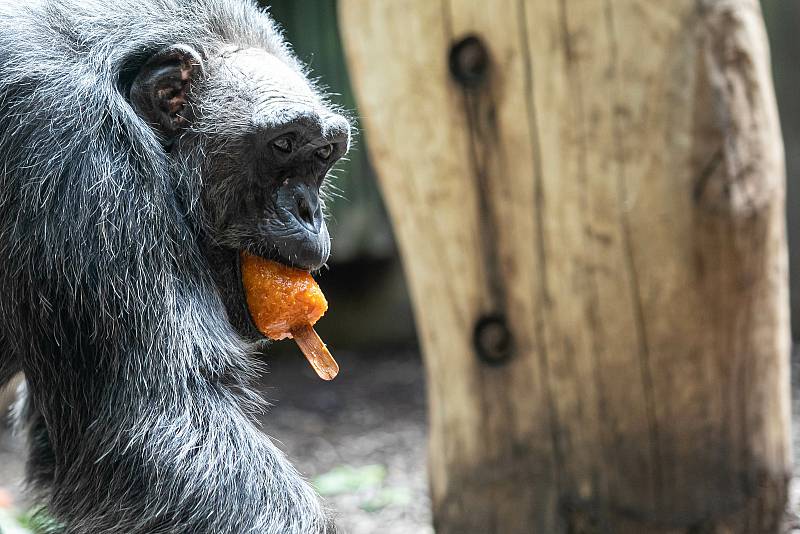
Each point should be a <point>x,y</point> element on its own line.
<point>361,439</point>
<point>373,320</point>
<point>374,311</point>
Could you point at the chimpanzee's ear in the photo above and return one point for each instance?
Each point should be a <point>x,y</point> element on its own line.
<point>159,91</point>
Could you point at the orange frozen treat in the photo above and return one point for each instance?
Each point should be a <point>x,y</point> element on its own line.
<point>285,303</point>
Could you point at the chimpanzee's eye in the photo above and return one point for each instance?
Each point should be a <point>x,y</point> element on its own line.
<point>284,144</point>
<point>325,152</point>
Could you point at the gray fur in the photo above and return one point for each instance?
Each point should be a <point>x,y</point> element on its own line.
<point>116,292</point>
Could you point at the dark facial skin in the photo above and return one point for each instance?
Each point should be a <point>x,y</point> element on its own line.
<point>262,155</point>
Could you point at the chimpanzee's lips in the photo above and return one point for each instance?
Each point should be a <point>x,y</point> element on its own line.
<point>243,295</point>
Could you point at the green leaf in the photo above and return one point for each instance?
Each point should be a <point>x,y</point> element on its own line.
<point>38,521</point>
<point>392,496</point>
<point>10,525</point>
<point>348,479</point>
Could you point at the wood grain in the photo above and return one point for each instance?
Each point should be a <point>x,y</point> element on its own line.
<point>626,157</point>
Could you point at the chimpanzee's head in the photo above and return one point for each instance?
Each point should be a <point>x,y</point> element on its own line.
<point>262,141</point>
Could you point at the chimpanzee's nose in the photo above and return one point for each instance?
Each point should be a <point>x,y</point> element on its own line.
<point>311,139</point>
<point>306,208</point>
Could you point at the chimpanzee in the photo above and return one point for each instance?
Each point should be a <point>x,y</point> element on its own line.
<point>144,145</point>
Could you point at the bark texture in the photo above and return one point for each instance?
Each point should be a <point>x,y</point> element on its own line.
<point>612,184</point>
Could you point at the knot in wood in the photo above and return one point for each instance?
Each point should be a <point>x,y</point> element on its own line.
<point>469,62</point>
<point>492,339</point>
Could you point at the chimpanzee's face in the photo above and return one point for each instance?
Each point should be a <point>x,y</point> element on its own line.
<point>263,141</point>
<point>270,143</point>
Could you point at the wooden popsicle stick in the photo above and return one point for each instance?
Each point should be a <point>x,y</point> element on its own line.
<point>315,352</point>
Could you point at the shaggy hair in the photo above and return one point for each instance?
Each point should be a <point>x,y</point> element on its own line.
<point>139,414</point>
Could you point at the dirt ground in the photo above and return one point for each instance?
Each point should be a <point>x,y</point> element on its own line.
<point>361,438</point>
<point>372,414</point>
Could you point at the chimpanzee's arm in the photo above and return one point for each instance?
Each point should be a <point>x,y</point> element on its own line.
<point>179,459</point>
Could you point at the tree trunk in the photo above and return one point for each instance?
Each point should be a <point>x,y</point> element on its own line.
<point>588,198</point>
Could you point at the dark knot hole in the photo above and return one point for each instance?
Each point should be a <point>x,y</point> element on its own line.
<point>492,339</point>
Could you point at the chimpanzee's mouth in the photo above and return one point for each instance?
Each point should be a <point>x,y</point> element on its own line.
<point>242,293</point>
<point>296,251</point>
<point>247,312</point>
<point>242,290</point>
<point>284,302</point>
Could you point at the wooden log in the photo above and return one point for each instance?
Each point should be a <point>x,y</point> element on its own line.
<point>588,198</point>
